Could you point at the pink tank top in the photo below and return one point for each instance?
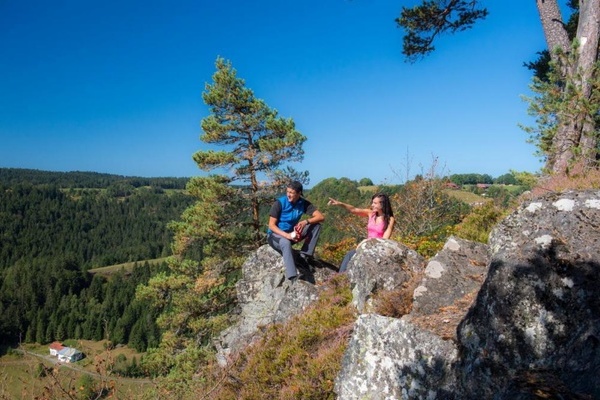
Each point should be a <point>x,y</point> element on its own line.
<point>375,230</point>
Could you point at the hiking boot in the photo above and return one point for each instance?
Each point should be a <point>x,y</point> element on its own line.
<point>306,257</point>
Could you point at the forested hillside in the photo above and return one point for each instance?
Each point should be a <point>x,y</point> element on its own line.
<point>54,227</point>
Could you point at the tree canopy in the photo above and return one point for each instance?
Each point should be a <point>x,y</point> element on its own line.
<point>567,104</point>
<point>424,22</point>
<point>257,142</point>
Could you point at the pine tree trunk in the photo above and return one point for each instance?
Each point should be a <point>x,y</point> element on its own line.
<point>575,136</point>
<point>588,33</point>
<point>554,29</point>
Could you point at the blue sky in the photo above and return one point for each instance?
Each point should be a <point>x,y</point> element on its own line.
<point>116,87</point>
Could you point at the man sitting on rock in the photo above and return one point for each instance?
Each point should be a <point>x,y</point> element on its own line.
<point>286,228</point>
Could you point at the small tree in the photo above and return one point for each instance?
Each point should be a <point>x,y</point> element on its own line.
<point>506,179</point>
<point>365,182</point>
<point>214,235</point>
<point>258,141</point>
<point>194,298</point>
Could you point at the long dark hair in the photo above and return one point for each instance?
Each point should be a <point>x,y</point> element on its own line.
<point>386,207</point>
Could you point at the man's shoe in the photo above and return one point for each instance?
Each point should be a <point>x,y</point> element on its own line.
<point>293,280</point>
<point>307,257</point>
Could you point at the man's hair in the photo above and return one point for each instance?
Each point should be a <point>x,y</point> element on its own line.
<point>295,185</point>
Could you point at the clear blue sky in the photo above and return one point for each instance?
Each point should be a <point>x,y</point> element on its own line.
<point>115,86</point>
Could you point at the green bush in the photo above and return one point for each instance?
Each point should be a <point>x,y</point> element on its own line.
<point>479,223</point>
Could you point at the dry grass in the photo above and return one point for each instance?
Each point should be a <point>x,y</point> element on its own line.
<point>296,360</point>
<point>445,322</point>
<point>397,303</point>
<point>577,179</point>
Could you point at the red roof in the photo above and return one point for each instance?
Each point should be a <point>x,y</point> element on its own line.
<point>56,346</point>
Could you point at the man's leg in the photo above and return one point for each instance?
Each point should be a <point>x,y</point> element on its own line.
<point>284,247</point>
<point>311,234</point>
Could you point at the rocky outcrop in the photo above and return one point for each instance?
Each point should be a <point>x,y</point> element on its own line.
<point>524,311</point>
<point>532,332</point>
<point>538,312</point>
<point>410,358</point>
<point>265,296</point>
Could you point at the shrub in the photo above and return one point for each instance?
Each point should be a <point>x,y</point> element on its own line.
<point>423,209</point>
<point>427,245</point>
<point>478,224</point>
<point>335,252</point>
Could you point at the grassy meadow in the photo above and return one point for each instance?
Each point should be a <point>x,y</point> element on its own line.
<point>23,377</point>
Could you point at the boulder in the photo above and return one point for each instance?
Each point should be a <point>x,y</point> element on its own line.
<point>411,358</point>
<point>380,264</point>
<point>457,270</point>
<point>265,296</point>
<point>535,326</point>
<point>389,358</point>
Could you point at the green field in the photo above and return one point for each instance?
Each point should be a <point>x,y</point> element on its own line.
<point>466,197</point>
<point>126,267</point>
<point>20,372</point>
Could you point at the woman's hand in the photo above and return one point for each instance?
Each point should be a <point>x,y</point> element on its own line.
<point>332,202</point>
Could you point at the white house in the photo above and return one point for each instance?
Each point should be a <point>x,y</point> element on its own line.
<point>69,354</point>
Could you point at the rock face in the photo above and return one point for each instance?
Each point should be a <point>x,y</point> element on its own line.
<point>538,312</point>
<point>532,330</point>
<point>265,296</point>
<point>389,358</point>
<point>456,271</point>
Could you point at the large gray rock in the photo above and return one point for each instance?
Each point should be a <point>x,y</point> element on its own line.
<point>538,313</point>
<point>456,271</point>
<point>380,264</point>
<point>391,359</point>
<point>397,359</point>
<point>265,296</point>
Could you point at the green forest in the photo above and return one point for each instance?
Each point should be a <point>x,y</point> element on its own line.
<point>55,227</point>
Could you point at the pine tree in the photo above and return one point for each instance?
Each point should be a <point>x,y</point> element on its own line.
<point>214,235</point>
<point>258,141</point>
<point>194,298</point>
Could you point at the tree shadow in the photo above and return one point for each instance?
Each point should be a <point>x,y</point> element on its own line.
<point>538,326</point>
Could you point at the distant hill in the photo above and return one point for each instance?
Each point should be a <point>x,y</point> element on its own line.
<point>78,179</point>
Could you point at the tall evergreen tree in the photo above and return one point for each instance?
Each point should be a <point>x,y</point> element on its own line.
<point>257,141</point>
<point>195,296</point>
<point>213,236</point>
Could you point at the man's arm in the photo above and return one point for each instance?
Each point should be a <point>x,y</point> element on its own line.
<point>275,229</point>
<point>315,218</point>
